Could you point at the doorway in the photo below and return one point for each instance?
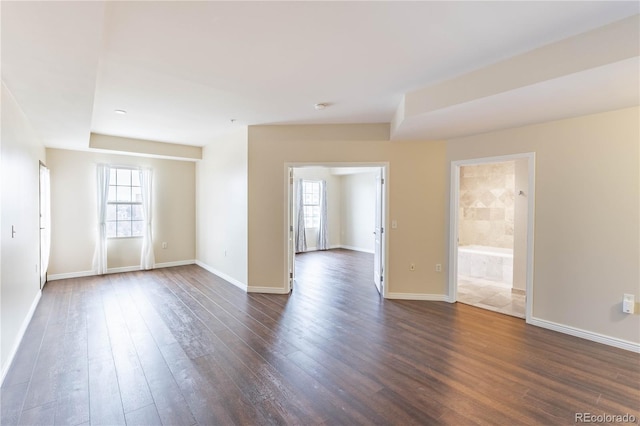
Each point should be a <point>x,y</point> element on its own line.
<point>353,218</point>
<point>491,235</point>
<point>45,221</point>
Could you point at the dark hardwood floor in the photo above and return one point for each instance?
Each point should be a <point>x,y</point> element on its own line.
<point>181,346</point>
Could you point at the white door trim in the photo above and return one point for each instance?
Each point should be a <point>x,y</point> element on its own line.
<point>289,256</point>
<point>453,222</point>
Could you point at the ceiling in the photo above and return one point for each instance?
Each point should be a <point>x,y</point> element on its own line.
<point>184,70</point>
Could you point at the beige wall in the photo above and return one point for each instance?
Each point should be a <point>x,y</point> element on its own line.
<point>416,185</point>
<point>586,215</point>
<point>21,152</point>
<point>222,206</point>
<point>73,211</point>
<point>487,205</point>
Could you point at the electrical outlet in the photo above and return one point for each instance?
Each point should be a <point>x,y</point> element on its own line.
<point>164,245</point>
<point>412,267</point>
<point>628,303</point>
<point>438,267</point>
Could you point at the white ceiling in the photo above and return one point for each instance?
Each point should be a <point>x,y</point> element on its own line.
<point>183,70</point>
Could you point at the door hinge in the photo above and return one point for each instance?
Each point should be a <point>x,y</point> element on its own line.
<point>381,278</point>
<point>382,230</point>
<point>291,275</point>
<point>291,228</point>
<point>382,180</point>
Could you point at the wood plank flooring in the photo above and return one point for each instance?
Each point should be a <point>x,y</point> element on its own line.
<point>180,346</point>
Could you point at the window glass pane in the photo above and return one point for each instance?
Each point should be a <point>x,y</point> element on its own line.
<point>125,217</point>
<point>124,211</point>
<point>136,228</point>
<point>124,193</point>
<point>315,199</point>
<point>124,177</point>
<point>111,229</point>
<point>136,194</point>
<point>311,216</point>
<point>111,212</point>
<point>136,212</point>
<point>112,193</point>
<point>124,229</point>
<point>135,178</point>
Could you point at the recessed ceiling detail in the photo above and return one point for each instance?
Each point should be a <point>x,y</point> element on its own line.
<point>69,63</point>
<point>551,82</point>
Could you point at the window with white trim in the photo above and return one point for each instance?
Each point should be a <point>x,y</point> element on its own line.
<point>124,204</point>
<point>311,203</point>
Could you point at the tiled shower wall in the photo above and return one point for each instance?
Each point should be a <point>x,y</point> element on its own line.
<point>487,205</point>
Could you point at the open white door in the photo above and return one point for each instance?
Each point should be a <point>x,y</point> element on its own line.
<point>292,249</point>
<point>378,272</point>
<point>45,223</point>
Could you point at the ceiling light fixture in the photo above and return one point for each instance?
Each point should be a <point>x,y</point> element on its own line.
<point>120,111</point>
<point>320,106</point>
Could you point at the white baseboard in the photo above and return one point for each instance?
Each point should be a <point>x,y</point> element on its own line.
<point>242,286</point>
<point>123,269</point>
<point>417,296</point>
<point>339,246</point>
<point>584,334</point>
<point>176,263</point>
<point>360,249</point>
<point>222,275</point>
<point>269,290</point>
<point>67,275</point>
<point>23,329</point>
<point>80,274</point>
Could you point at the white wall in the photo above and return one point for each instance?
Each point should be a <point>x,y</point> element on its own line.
<point>19,283</point>
<point>74,221</point>
<point>221,206</point>
<point>587,216</point>
<point>520,224</point>
<point>358,204</point>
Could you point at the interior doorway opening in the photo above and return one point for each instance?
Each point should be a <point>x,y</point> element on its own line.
<point>491,254</point>
<point>339,207</point>
<point>45,221</point>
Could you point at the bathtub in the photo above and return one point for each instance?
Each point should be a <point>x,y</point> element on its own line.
<point>490,263</point>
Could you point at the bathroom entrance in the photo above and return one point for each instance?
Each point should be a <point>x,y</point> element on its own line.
<point>491,227</point>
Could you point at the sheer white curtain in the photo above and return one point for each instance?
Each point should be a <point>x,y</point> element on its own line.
<point>323,234</point>
<point>301,237</point>
<point>100,253</point>
<point>45,221</point>
<point>147,258</point>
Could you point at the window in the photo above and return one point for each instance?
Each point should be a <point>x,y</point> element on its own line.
<point>311,203</point>
<point>124,204</point>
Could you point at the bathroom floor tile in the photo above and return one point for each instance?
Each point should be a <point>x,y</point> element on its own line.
<point>494,296</point>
